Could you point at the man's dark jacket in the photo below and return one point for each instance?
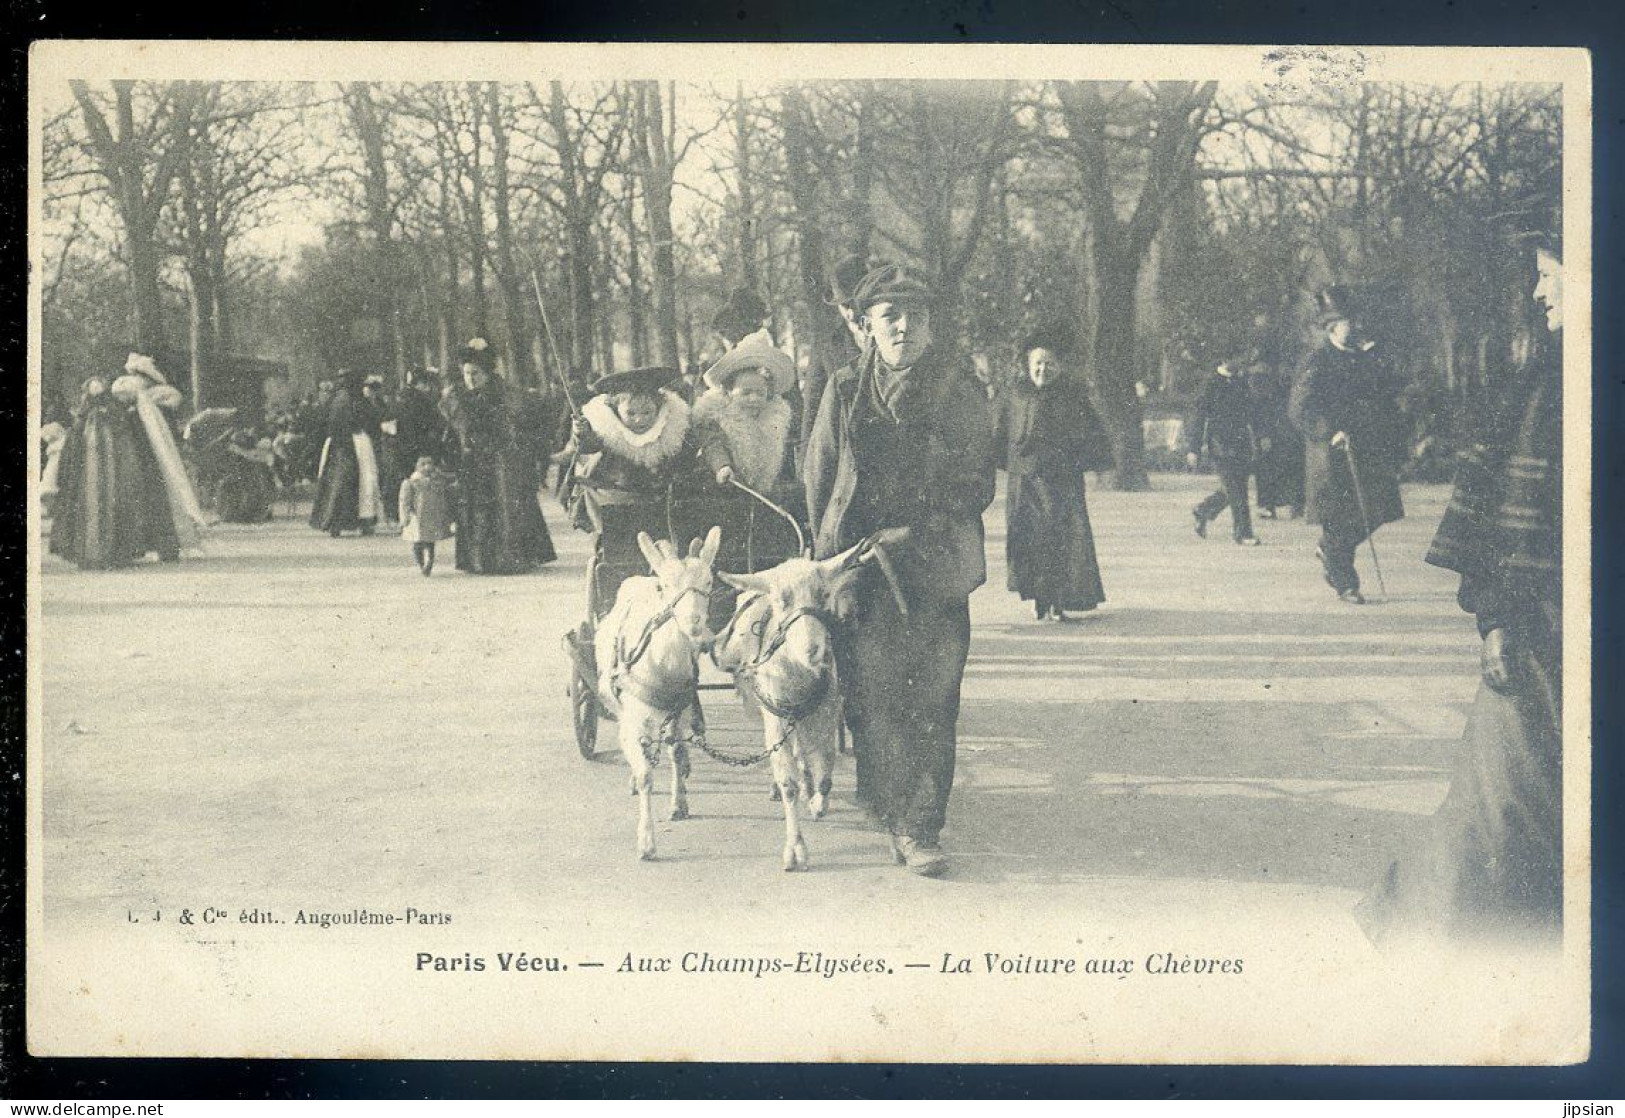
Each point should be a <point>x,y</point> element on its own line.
<point>930,469</point>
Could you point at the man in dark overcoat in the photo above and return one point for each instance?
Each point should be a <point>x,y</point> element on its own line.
<point>903,446</point>
<point>1345,402</point>
<point>1224,427</point>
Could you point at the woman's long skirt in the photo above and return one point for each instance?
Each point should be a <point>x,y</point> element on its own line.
<point>111,508</point>
<point>347,493</point>
<point>1049,545</point>
<point>1489,865</point>
<point>500,528</point>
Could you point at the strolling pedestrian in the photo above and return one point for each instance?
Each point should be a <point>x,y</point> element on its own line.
<point>1278,470</point>
<point>1048,438</point>
<point>122,489</point>
<point>426,511</point>
<point>1489,864</point>
<point>500,527</point>
<point>1224,428</point>
<point>903,449</point>
<point>348,493</point>
<point>1344,402</point>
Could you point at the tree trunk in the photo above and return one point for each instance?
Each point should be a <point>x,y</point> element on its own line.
<point>578,229</point>
<point>509,277</point>
<point>121,159</point>
<point>749,276</point>
<point>475,214</point>
<point>821,321</point>
<point>655,158</point>
<point>637,306</point>
<point>1114,278</point>
<point>606,322</point>
<point>369,128</point>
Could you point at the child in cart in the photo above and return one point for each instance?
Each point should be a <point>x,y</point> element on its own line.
<point>638,468</point>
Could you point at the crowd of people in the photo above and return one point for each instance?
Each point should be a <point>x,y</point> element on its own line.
<point>893,440</point>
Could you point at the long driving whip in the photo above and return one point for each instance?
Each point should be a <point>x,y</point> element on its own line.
<point>553,346</point>
<point>1365,517</point>
<point>801,538</point>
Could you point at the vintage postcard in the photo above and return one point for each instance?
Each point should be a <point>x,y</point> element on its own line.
<point>809,553</point>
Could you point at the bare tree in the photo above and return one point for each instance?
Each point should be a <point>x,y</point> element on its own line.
<point>140,154</point>
<point>586,140</point>
<point>1166,126</point>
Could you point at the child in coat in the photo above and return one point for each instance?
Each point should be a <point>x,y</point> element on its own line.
<point>426,511</point>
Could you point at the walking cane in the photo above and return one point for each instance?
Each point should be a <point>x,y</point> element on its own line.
<point>1365,517</point>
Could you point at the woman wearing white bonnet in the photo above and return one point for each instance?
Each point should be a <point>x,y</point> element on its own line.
<point>123,490</point>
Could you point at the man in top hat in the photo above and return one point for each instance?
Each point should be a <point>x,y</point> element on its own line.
<point>1345,401</point>
<point>903,447</point>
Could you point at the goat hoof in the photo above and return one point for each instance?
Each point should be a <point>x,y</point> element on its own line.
<point>679,812</point>
<point>795,857</point>
<point>818,806</point>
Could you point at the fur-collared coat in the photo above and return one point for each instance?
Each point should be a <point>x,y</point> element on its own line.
<point>760,450</point>
<point>617,460</point>
<point>757,447</point>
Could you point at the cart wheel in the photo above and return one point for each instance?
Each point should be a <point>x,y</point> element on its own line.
<point>584,716</point>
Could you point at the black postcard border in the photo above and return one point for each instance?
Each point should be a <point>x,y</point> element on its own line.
<point>1386,22</point>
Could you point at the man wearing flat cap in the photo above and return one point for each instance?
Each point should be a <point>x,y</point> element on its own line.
<point>903,447</point>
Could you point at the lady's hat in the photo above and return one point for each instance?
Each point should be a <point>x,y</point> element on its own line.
<point>145,366</point>
<point>754,353</point>
<point>646,381</point>
<point>740,315</point>
<point>1057,337</point>
<point>844,279</point>
<point>478,352</point>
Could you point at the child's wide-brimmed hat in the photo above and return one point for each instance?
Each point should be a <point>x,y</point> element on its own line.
<point>649,380</point>
<point>754,353</point>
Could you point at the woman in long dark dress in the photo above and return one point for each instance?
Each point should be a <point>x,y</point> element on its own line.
<point>1490,864</point>
<point>122,489</point>
<point>348,493</point>
<point>500,529</point>
<point>1048,437</point>
<point>1278,472</point>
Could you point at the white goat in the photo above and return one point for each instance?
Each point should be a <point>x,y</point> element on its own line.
<point>647,646</point>
<point>779,646</point>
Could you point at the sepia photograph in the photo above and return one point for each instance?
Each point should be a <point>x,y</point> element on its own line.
<point>777,552</point>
